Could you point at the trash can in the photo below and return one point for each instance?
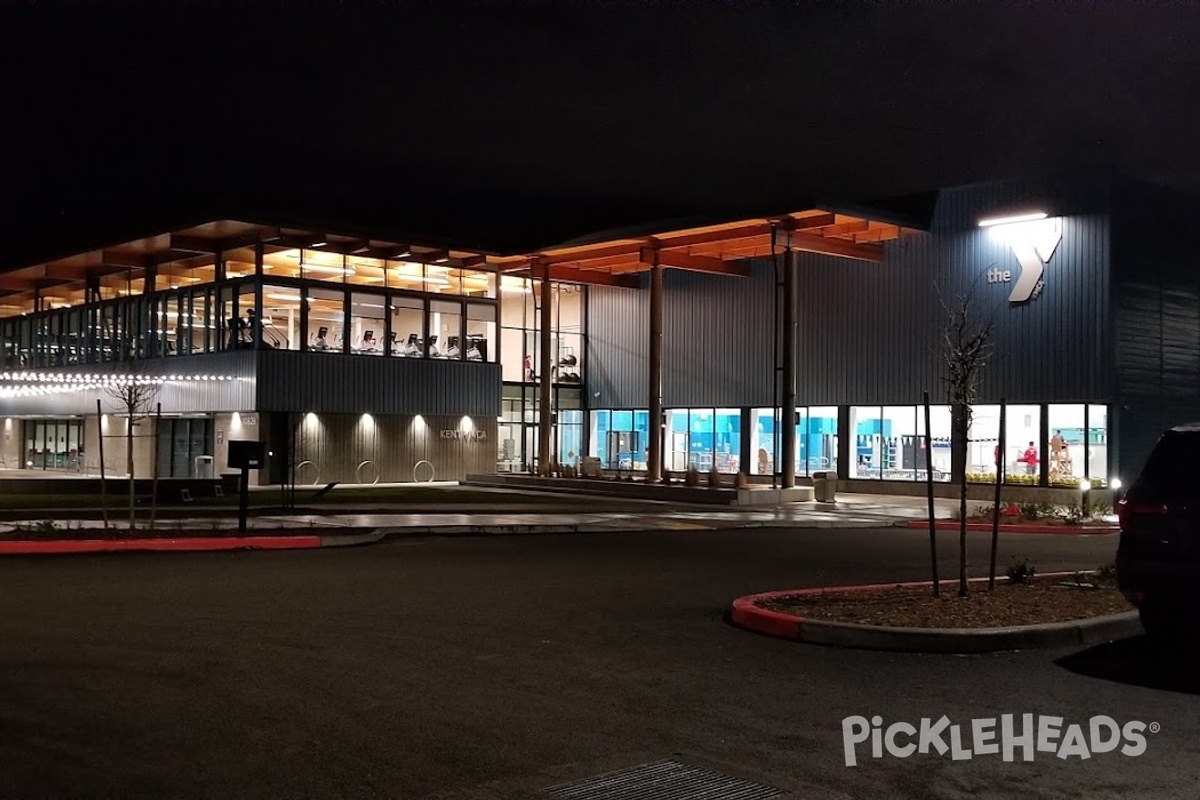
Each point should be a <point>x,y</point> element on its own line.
<point>825,487</point>
<point>204,467</point>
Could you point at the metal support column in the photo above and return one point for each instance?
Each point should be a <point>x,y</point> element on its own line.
<point>544,408</point>
<point>654,461</point>
<point>788,412</point>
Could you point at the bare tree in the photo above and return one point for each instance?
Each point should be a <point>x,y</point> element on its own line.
<point>132,391</point>
<point>966,347</point>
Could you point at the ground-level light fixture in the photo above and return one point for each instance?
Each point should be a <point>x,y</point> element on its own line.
<point>1115,483</point>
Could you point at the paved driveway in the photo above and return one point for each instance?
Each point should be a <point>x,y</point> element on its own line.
<point>492,667</point>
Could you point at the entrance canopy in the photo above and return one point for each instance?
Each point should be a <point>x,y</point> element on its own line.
<point>713,248</point>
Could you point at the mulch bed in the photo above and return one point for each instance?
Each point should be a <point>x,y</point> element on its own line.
<point>1043,600</point>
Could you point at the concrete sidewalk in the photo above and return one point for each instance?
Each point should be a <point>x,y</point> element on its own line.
<point>851,511</point>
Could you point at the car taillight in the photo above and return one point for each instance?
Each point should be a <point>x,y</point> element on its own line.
<point>1130,507</point>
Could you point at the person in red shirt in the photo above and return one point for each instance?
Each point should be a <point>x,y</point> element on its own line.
<point>1030,459</point>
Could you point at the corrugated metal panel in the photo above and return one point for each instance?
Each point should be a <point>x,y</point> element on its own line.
<point>718,353</point>
<point>349,384</point>
<point>618,326</point>
<point>191,396</point>
<point>1156,288</point>
<point>868,333</point>
<point>354,448</point>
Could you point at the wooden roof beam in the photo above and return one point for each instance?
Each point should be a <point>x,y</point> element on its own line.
<point>110,258</point>
<point>589,253</point>
<point>843,228</point>
<point>677,260</point>
<point>836,247</point>
<point>750,229</point>
<point>562,274</point>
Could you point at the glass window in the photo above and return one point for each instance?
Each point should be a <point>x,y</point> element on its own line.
<point>866,424</point>
<point>675,455</point>
<point>445,330</point>
<point>281,261</point>
<point>250,326</point>
<point>727,440</point>
<point>598,447</point>
<point>326,321</point>
<point>1097,445</point>
<point>442,279</point>
<point>1065,462</point>
<point>626,442</point>
<point>281,318</point>
<point>366,272</point>
<point>408,321</point>
<point>821,445</point>
<point>901,446</point>
<point>570,436</point>
<point>478,283</point>
<point>941,425</point>
<point>406,275</point>
<point>1022,456</point>
<point>568,340</point>
<point>202,325</point>
<point>762,441</point>
<point>481,332</point>
<point>323,265</point>
<point>367,324</point>
<point>239,262</point>
<point>700,438</point>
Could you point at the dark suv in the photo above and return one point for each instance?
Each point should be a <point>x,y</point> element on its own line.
<point>1158,559</point>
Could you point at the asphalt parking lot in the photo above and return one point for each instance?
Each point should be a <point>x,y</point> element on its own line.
<point>492,667</point>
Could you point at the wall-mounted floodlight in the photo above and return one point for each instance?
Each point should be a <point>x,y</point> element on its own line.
<point>1033,216</point>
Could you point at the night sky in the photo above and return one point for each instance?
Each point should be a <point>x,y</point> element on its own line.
<point>514,125</point>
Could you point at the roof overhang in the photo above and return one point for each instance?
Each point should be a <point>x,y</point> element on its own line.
<point>717,248</point>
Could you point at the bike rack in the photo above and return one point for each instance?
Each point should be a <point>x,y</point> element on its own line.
<point>432,472</point>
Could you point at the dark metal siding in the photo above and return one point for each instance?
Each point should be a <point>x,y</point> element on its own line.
<point>1156,288</point>
<point>349,384</point>
<point>618,338</point>
<point>717,353</point>
<point>868,333</point>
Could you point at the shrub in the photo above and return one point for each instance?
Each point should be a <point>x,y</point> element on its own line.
<point>740,481</point>
<point>1072,514</point>
<point>985,510</point>
<point>714,478</point>
<point>1020,570</point>
<point>1107,572</point>
<point>691,477</point>
<point>666,475</point>
<point>1030,509</point>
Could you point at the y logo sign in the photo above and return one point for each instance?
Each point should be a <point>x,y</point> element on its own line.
<point>1033,243</point>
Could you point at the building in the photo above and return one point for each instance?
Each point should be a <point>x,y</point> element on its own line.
<point>370,356</point>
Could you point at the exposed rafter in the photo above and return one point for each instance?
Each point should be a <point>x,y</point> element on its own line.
<point>678,260</point>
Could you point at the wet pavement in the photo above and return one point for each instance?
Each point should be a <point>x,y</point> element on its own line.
<point>851,511</point>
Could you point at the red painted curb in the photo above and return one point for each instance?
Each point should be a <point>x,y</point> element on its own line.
<point>1075,530</point>
<point>174,545</point>
<point>748,614</point>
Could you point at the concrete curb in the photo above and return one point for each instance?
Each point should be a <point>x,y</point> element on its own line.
<point>305,542</point>
<point>197,544</point>
<point>746,613</point>
<point>1070,530</point>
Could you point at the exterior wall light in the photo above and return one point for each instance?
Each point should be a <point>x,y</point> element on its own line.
<point>1033,216</point>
